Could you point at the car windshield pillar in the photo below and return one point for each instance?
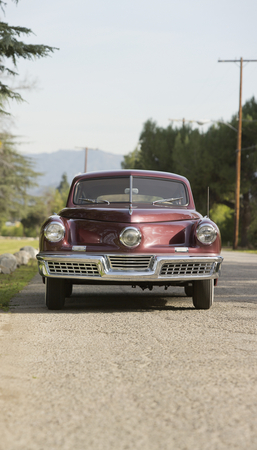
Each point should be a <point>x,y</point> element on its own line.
<point>130,193</point>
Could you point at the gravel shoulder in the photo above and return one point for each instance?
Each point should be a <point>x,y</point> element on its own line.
<point>119,368</point>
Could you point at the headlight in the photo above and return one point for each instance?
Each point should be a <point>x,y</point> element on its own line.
<point>54,232</point>
<point>130,237</point>
<point>206,234</point>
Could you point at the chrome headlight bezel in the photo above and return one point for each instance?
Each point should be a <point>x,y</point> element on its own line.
<point>130,237</point>
<point>206,233</point>
<point>54,231</point>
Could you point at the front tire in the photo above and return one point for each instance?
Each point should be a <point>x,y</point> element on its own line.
<point>189,290</point>
<point>55,292</point>
<point>68,289</point>
<point>203,294</point>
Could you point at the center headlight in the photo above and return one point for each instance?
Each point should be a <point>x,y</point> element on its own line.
<point>54,232</point>
<point>206,233</point>
<point>130,237</point>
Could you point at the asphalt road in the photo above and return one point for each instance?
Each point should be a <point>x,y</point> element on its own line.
<point>119,368</point>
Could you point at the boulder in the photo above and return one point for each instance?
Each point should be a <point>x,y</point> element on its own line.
<point>8,263</point>
<point>22,257</point>
<point>30,250</point>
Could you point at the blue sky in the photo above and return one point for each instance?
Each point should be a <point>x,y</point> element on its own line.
<point>122,62</point>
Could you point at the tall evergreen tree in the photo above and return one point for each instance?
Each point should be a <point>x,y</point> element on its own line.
<point>130,159</point>
<point>249,169</point>
<point>16,171</point>
<point>12,48</point>
<point>16,177</point>
<point>64,184</point>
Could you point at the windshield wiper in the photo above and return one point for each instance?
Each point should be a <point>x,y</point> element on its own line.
<point>167,200</point>
<point>90,200</point>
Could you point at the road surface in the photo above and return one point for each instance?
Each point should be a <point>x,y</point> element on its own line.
<point>122,369</point>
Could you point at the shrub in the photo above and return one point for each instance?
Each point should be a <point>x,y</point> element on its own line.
<point>223,216</point>
<point>15,230</point>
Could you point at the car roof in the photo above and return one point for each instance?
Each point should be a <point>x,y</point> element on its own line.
<point>128,172</point>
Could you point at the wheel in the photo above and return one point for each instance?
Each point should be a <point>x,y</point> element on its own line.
<point>203,294</point>
<point>189,290</point>
<point>55,293</point>
<point>68,289</point>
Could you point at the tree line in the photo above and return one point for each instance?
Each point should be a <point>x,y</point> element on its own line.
<point>208,159</point>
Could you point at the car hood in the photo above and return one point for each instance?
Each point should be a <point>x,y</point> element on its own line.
<point>139,215</point>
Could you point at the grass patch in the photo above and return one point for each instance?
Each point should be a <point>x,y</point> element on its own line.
<point>11,284</point>
<point>14,245</point>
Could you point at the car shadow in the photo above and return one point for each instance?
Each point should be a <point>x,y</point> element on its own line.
<point>127,302</point>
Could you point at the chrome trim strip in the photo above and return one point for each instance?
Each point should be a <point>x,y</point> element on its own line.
<point>130,189</point>
<point>79,248</point>
<point>152,274</point>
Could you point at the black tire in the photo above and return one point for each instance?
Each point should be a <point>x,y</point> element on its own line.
<point>203,294</point>
<point>68,289</point>
<point>55,293</point>
<point>189,290</point>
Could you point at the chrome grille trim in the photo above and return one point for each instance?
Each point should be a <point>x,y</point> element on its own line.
<point>171,268</point>
<point>72,268</point>
<point>136,262</point>
<point>186,269</point>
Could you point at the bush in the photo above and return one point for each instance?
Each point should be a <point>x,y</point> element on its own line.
<point>15,230</point>
<point>252,233</point>
<point>223,216</point>
<point>32,232</point>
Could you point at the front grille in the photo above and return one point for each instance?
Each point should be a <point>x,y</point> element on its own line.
<point>73,268</point>
<point>136,263</point>
<point>186,269</point>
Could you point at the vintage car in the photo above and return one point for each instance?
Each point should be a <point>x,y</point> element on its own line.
<point>130,227</point>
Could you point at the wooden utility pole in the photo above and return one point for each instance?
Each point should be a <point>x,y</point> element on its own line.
<point>238,151</point>
<point>86,153</point>
<point>238,163</point>
<point>86,156</point>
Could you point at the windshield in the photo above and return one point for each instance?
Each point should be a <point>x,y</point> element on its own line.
<point>157,191</point>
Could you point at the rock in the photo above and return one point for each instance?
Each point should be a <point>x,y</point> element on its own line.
<point>8,263</point>
<point>30,250</point>
<point>22,257</point>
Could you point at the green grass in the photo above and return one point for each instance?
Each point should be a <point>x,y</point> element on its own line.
<point>14,245</point>
<point>11,284</point>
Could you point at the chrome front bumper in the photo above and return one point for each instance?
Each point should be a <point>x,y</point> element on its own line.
<point>129,268</point>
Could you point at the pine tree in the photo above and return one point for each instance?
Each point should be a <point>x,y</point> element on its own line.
<point>64,185</point>
<point>11,50</point>
<point>16,171</point>
<point>16,177</point>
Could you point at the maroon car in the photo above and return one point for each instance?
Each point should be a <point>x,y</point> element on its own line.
<point>130,227</point>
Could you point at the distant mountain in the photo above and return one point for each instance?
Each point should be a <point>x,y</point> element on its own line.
<point>53,165</point>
